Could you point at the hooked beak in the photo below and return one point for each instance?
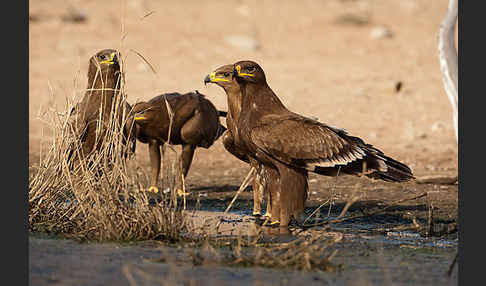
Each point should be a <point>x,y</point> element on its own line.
<point>207,79</point>
<point>212,78</point>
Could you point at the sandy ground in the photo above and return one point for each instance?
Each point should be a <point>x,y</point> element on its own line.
<point>316,61</point>
<point>337,60</point>
<point>320,57</point>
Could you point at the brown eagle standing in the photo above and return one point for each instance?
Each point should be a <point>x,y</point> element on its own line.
<point>291,145</point>
<point>195,123</point>
<point>91,117</point>
<point>223,77</point>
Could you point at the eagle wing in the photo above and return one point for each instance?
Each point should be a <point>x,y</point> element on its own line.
<point>305,143</point>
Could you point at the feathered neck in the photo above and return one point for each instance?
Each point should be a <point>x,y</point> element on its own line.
<point>233,96</point>
<point>261,98</point>
<point>103,81</point>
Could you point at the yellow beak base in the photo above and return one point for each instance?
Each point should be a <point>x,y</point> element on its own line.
<point>110,60</point>
<point>238,70</point>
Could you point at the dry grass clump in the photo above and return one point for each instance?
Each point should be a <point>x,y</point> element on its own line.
<point>311,252</point>
<point>307,253</point>
<point>100,197</point>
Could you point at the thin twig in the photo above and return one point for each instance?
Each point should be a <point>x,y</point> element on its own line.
<point>243,186</point>
<point>365,215</point>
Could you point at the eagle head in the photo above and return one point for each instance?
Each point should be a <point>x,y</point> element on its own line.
<point>248,71</point>
<point>105,60</point>
<point>222,76</point>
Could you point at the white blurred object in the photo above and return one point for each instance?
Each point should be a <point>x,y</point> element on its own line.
<point>241,42</point>
<point>448,59</point>
<point>381,32</point>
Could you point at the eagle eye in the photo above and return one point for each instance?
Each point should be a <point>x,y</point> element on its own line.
<point>102,57</point>
<point>226,74</point>
<point>250,69</point>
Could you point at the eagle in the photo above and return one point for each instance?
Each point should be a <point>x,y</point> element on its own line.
<point>223,77</point>
<point>290,145</point>
<point>195,123</point>
<point>90,119</point>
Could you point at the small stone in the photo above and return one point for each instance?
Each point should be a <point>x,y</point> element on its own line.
<point>380,33</point>
<point>422,135</point>
<point>352,19</point>
<point>398,86</point>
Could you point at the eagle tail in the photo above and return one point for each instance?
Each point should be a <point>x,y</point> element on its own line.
<point>374,164</point>
<point>393,172</point>
<point>380,166</point>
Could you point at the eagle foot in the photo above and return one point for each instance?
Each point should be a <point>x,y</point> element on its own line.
<point>274,223</point>
<point>256,214</point>
<point>181,193</point>
<point>153,189</point>
<point>153,195</point>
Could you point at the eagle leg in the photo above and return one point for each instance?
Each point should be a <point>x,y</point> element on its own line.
<point>293,193</point>
<point>154,154</point>
<point>186,160</point>
<point>258,187</point>
<point>273,193</point>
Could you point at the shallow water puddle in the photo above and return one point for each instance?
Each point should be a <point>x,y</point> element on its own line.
<point>365,257</point>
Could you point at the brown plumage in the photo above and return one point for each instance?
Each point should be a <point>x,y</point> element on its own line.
<point>195,123</point>
<point>291,145</point>
<point>91,117</point>
<point>223,77</point>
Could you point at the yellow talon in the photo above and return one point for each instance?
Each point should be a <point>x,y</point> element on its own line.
<point>267,214</point>
<point>256,213</point>
<point>274,222</point>
<point>153,189</point>
<point>181,193</point>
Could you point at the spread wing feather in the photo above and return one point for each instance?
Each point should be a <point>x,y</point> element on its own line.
<point>304,142</point>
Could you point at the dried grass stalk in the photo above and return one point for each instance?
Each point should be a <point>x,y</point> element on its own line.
<point>100,196</point>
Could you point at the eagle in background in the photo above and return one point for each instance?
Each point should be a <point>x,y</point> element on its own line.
<point>91,118</point>
<point>195,123</point>
<point>290,145</point>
